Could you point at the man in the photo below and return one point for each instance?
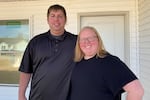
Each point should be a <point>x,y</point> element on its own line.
<point>48,60</point>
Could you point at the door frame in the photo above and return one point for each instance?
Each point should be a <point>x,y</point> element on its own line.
<point>126,28</point>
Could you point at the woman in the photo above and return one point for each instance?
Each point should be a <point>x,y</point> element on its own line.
<point>99,75</point>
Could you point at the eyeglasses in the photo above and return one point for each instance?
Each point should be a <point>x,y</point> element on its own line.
<point>89,39</point>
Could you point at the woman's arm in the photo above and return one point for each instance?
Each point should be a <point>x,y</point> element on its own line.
<point>134,90</point>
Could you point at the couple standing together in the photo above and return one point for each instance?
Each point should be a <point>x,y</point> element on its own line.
<point>63,66</point>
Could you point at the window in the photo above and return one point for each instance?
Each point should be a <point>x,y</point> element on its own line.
<point>14,37</point>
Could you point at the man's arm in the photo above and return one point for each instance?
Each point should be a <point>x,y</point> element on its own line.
<point>23,84</point>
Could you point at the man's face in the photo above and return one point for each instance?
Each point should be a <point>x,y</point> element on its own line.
<point>56,21</point>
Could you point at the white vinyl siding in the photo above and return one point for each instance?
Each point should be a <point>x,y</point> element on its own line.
<point>144,45</point>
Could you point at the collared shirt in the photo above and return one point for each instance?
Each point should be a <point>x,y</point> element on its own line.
<point>50,60</point>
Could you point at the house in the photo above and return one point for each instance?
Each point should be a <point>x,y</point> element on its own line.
<point>10,46</point>
<point>130,18</point>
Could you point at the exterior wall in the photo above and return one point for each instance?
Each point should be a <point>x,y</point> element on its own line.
<point>144,45</point>
<point>36,12</point>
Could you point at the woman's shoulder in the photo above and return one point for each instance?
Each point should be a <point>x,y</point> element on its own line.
<point>109,56</point>
<point>110,59</point>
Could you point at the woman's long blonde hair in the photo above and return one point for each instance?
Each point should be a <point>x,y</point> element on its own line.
<point>101,52</point>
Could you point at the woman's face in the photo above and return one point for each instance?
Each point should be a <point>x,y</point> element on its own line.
<point>88,42</point>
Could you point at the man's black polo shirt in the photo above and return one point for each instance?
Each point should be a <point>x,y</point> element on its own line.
<point>50,60</point>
